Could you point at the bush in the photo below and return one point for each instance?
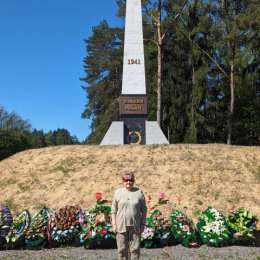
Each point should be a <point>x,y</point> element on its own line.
<point>11,143</point>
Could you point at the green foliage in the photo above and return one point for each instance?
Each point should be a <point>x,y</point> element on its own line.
<point>36,235</point>
<point>158,222</point>
<point>16,135</point>
<point>11,143</point>
<point>36,139</point>
<point>20,225</point>
<point>213,228</point>
<point>96,230</point>
<point>103,68</point>
<point>93,228</point>
<point>242,224</point>
<point>183,229</point>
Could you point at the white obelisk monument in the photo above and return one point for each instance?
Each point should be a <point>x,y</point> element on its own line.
<point>133,66</point>
<point>134,127</point>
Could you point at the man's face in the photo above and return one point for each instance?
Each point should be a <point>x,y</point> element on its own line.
<point>128,181</point>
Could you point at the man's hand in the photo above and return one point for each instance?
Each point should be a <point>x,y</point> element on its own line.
<point>114,228</point>
<point>142,229</point>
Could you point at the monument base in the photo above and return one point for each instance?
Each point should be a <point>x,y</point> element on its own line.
<point>115,134</point>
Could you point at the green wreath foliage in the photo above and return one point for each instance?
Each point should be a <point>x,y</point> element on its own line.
<point>6,220</point>
<point>161,226</point>
<point>93,228</point>
<point>183,229</point>
<point>242,224</point>
<point>20,225</point>
<point>36,235</point>
<point>96,230</point>
<point>213,228</point>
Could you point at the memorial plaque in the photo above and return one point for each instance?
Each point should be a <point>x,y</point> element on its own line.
<point>133,105</point>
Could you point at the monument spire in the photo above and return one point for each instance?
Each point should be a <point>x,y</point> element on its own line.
<point>133,64</point>
<point>134,127</point>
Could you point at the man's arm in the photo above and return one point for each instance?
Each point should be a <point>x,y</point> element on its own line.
<point>144,213</point>
<point>114,226</point>
<point>113,214</point>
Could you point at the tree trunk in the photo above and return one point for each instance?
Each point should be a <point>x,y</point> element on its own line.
<point>159,63</point>
<point>232,95</point>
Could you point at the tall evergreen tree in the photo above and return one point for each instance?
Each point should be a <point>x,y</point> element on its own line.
<point>185,70</point>
<point>103,68</point>
<point>234,22</point>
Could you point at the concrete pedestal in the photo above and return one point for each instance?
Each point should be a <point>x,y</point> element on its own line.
<point>153,134</point>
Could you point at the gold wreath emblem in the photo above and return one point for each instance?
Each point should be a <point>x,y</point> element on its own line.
<point>139,137</point>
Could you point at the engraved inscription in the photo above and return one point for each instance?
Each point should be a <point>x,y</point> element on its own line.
<point>133,104</point>
<point>134,62</point>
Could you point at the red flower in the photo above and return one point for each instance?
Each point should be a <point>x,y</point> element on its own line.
<point>97,221</point>
<point>98,196</point>
<point>103,231</point>
<point>89,234</point>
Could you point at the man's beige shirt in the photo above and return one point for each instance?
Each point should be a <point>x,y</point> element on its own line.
<point>130,209</point>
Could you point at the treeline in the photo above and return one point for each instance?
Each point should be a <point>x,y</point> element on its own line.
<point>202,70</point>
<point>16,134</point>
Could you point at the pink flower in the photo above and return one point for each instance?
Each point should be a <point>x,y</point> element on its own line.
<point>186,228</point>
<point>160,197</point>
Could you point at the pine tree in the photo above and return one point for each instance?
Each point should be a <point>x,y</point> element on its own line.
<point>103,68</point>
<point>234,22</point>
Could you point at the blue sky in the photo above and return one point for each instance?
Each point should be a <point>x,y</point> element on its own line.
<point>41,59</point>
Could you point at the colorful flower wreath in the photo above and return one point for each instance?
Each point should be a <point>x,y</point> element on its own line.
<point>183,229</point>
<point>213,228</point>
<point>96,230</point>
<point>36,235</point>
<point>161,227</point>
<point>18,230</point>
<point>242,224</point>
<point>147,237</point>
<point>6,220</point>
<point>65,223</point>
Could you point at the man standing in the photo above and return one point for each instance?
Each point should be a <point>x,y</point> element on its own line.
<point>128,218</point>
